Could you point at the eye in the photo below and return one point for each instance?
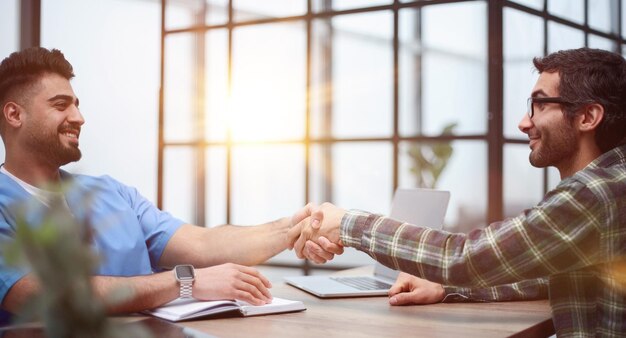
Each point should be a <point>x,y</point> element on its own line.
<point>60,106</point>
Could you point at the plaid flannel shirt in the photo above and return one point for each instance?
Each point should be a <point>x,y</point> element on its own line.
<point>575,237</point>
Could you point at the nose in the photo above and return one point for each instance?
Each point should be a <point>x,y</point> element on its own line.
<point>75,116</point>
<point>525,124</point>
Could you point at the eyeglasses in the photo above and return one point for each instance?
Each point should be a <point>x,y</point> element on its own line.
<point>538,100</point>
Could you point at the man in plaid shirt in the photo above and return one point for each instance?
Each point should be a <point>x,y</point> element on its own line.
<point>573,243</point>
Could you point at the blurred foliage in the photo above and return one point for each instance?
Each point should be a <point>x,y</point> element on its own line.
<point>430,159</point>
<point>58,252</point>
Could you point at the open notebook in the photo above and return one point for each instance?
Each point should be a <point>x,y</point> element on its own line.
<point>424,207</point>
<point>188,308</point>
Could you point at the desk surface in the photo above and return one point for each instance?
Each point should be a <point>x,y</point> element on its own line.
<point>374,317</point>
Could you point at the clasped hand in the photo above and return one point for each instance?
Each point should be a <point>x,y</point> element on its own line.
<point>315,233</point>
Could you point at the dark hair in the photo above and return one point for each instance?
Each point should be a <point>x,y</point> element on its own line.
<point>592,76</point>
<point>23,69</point>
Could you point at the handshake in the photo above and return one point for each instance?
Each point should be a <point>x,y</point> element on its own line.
<point>316,232</point>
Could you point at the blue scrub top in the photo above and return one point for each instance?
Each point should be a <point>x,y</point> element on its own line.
<point>130,233</point>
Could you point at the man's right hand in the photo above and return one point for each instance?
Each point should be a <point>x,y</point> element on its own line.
<point>232,281</point>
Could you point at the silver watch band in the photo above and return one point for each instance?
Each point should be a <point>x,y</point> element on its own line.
<point>186,289</point>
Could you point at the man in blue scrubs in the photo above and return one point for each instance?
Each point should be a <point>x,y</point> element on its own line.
<point>40,126</point>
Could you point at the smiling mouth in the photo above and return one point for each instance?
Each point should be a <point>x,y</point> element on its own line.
<point>71,134</point>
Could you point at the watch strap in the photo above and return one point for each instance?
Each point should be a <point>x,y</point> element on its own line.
<point>186,290</point>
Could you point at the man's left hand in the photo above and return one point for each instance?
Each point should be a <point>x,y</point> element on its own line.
<point>409,289</point>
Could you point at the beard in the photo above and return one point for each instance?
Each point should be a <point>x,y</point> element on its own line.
<point>47,145</point>
<point>557,146</point>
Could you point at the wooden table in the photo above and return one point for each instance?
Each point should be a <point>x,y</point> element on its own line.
<point>374,317</point>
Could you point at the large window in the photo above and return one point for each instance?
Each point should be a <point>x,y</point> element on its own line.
<point>113,46</point>
<point>534,28</point>
<point>9,29</point>
<point>268,105</point>
<point>262,106</point>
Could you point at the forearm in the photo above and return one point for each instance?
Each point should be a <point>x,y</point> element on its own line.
<point>562,233</point>
<point>525,290</point>
<point>466,260</point>
<point>143,292</point>
<point>139,293</point>
<point>245,245</point>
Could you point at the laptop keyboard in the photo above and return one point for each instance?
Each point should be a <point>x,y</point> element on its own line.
<point>362,283</point>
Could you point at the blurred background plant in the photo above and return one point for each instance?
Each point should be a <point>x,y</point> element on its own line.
<point>58,252</point>
<point>430,159</point>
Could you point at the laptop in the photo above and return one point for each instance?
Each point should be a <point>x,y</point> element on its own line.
<point>423,207</point>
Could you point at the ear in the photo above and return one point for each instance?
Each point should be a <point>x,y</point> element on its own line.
<point>13,114</point>
<point>591,117</point>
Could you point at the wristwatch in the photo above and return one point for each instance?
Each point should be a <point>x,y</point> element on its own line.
<point>185,276</point>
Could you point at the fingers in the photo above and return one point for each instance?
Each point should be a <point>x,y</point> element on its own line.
<point>298,246</point>
<point>317,254</point>
<point>252,289</point>
<point>232,281</point>
<point>311,255</point>
<point>405,298</point>
<point>300,243</point>
<point>396,288</point>
<point>255,273</point>
<point>410,289</point>
<point>305,212</point>
<point>329,246</point>
<point>293,234</point>
<point>317,216</point>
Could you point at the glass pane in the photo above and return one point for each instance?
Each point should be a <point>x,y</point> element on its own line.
<point>182,14</point>
<point>179,94</point>
<point>523,183</point>
<point>623,19</point>
<point>216,12</point>
<point>601,15</point>
<point>366,186</point>
<point>347,4</point>
<point>360,96</point>
<point>9,28</point>
<point>536,4</point>
<point>523,40</point>
<point>320,173</point>
<point>178,182</point>
<point>321,79</point>
<point>564,37</point>
<point>571,9</point>
<point>596,41</point>
<point>117,81</point>
<point>410,72</point>
<point>215,209</point>
<point>267,182</point>
<point>464,174</point>
<point>216,89</point>
<point>269,85</point>
<point>447,51</point>
<point>254,9</point>
<point>554,177</point>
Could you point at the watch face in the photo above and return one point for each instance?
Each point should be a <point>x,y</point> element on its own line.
<point>184,272</point>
